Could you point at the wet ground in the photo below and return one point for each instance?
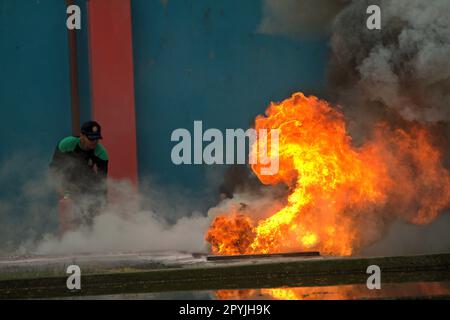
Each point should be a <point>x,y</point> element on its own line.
<point>182,275</point>
<point>36,266</point>
<point>414,290</point>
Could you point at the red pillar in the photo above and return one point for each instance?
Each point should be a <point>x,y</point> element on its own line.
<point>112,81</point>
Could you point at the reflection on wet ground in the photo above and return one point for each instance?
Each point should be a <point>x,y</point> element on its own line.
<point>439,290</point>
<point>343,292</point>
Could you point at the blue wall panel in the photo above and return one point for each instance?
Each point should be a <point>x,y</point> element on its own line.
<point>34,83</point>
<point>35,110</point>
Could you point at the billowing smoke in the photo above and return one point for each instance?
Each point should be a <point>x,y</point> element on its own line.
<point>403,67</point>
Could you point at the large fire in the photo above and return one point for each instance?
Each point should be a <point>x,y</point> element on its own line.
<point>341,196</point>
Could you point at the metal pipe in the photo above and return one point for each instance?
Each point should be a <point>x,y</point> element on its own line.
<point>74,94</point>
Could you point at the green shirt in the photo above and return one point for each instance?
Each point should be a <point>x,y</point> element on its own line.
<point>82,171</point>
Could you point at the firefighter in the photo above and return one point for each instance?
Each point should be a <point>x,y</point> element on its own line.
<point>80,168</point>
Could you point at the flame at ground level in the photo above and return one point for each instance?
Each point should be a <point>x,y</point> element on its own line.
<point>341,197</point>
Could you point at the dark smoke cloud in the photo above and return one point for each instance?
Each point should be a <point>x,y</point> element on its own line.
<point>403,68</point>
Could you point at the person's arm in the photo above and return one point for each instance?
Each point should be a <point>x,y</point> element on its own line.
<point>60,160</point>
<point>102,168</point>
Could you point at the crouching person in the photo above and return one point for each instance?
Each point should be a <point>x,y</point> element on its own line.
<point>80,167</point>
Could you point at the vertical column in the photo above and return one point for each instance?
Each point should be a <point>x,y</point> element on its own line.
<point>112,82</point>
<point>74,92</point>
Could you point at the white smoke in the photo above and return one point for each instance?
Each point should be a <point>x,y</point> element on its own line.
<point>155,219</point>
<point>123,227</point>
<point>138,232</point>
<point>26,206</point>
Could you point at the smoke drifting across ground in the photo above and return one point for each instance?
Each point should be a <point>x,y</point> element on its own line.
<point>27,203</point>
<point>141,232</point>
<point>29,217</point>
<point>123,227</point>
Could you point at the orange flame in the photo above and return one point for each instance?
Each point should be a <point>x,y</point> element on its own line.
<point>340,195</point>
